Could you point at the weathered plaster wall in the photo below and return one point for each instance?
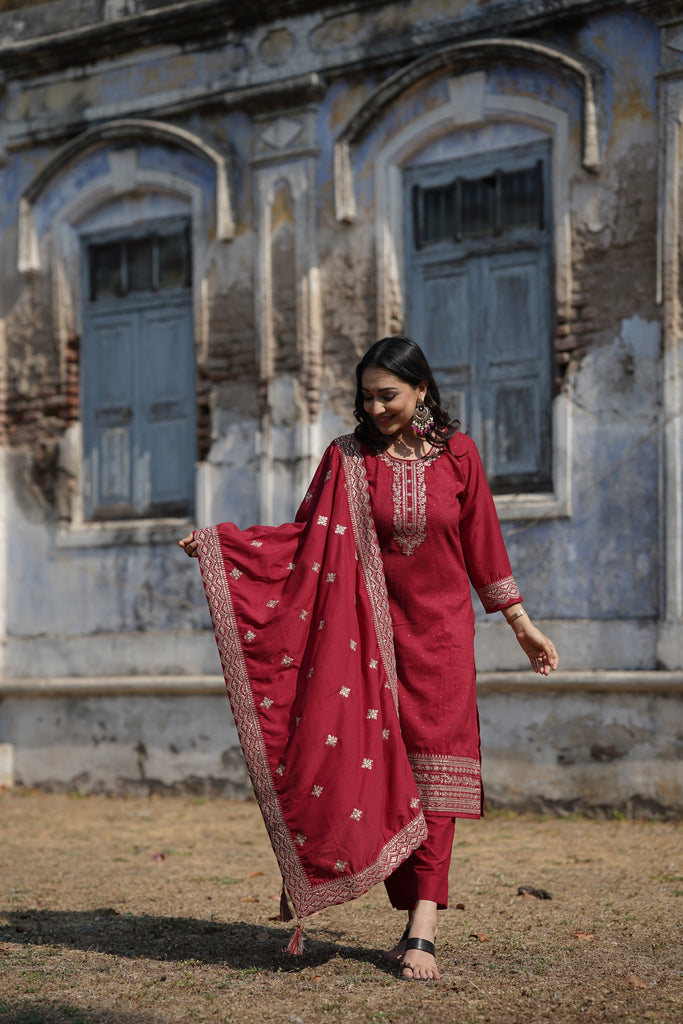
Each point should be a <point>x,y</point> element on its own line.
<point>544,752</point>
<point>541,750</point>
<point>285,308</point>
<point>135,745</point>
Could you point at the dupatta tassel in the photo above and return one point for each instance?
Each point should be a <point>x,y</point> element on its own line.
<point>285,910</point>
<point>296,945</point>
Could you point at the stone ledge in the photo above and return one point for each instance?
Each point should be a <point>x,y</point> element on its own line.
<point>113,686</point>
<point>213,685</point>
<point>612,681</point>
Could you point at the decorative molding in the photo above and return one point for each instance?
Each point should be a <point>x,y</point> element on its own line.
<point>461,58</point>
<point>281,133</point>
<point>289,136</point>
<point>301,435</point>
<point>131,130</point>
<point>194,23</point>
<point>158,107</point>
<point>184,23</point>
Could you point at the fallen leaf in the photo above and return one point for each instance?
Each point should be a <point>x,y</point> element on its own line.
<point>254,874</point>
<point>483,937</point>
<point>317,977</point>
<point>584,936</point>
<point>531,890</point>
<point>634,981</point>
<point>459,906</point>
<point>262,936</point>
<point>158,856</point>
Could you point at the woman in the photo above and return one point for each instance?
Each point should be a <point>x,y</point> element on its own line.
<point>370,588</point>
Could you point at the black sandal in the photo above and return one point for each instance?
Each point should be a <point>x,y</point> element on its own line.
<point>426,946</point>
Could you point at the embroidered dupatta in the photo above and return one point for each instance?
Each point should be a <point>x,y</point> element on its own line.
<point>301,618</point>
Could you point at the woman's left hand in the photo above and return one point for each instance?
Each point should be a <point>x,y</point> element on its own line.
<point>189,546</point>
<point>538,648</point>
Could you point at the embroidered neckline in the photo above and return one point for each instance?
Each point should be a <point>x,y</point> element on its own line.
<point>409,496</point>
<point>432,453</point>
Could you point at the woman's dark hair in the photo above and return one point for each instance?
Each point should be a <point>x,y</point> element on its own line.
<point>404,358</point>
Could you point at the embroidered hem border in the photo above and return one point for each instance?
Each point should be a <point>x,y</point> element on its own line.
<point>448,783</point>
<point>307,898</point>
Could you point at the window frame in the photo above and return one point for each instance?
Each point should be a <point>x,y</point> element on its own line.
<point>472,252</point>
<point>137,520</point>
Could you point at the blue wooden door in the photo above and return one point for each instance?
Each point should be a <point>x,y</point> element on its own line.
<point>479,300</point>
<point>138,401</point>
<point>138,379</point>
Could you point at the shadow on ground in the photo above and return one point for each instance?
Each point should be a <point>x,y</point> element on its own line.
<point>38,1012</point>
<point>234,944</point>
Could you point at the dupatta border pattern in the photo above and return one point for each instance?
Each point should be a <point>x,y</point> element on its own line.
<point>306,896</point>
<point>369,553</point>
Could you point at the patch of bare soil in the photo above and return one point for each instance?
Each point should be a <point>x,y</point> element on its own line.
<point>148,911</point>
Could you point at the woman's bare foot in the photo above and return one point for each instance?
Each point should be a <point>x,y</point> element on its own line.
<point>396,954</point>
<point>418,964</point>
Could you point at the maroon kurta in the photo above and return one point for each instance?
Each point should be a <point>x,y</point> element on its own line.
<point>437,528</point>
<point>310,619</point>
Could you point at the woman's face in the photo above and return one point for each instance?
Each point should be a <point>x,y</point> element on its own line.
<point>389,400</point>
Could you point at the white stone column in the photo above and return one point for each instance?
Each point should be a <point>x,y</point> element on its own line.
<point>670,632</point>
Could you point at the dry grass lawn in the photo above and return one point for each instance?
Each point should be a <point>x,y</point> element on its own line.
<point>141,911</point>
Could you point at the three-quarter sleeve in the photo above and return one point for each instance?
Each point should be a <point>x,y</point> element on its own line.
<point>486,557</point>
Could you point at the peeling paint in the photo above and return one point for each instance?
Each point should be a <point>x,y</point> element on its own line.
<point>283,310</point>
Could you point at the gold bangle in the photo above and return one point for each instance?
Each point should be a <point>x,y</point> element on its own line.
<point>515,616</point>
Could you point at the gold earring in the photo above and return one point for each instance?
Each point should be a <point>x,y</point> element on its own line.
<point>422,421</point>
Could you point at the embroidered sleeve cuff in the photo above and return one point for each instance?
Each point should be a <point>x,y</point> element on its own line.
<point>499,594</point>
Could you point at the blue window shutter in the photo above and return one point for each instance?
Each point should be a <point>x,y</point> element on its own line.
<point>164,463</point>
<point>108,409</point>
<point>443,306</point>
<point>516,366</point>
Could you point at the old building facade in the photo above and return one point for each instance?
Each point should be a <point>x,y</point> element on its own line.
<point>207,213</point>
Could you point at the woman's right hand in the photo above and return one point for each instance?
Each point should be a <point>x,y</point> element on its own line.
<point>189,545</point>
<point>538,648</point>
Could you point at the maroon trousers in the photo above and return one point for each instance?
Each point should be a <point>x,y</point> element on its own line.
<point>424,875</point>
